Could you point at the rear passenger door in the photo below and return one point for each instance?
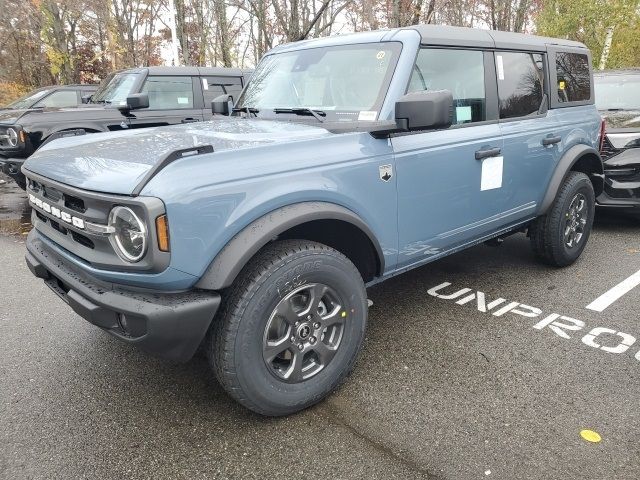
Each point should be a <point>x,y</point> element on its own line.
<point>531,134</point>
<point>171,101</point>
<point>447,197</point>
<point>214,86</point>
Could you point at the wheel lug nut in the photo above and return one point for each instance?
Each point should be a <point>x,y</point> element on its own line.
<point>297,323</point>
<point>300,347</point>
<point>316,325</point>
<point>308,317</point>
<point>312,340</point>
<point>293,339</point>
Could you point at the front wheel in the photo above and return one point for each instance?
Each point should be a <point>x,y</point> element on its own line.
<point>291,328</point>
<point>559,237</point>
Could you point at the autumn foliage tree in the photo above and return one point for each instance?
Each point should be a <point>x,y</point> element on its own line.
<point>44,42</point>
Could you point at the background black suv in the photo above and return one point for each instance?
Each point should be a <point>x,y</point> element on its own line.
<point>51,97</point>
<point>175,95</point>
<point>618,100</point>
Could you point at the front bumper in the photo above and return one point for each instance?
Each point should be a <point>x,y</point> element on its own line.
<point>13,168</point>
<point>622,180</point>
<point>168,325</point>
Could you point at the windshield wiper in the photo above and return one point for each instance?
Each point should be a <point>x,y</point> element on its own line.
<point>318,114</point>
<point>247,110</point>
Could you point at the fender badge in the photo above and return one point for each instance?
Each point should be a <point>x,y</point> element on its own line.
<point>386,172</point>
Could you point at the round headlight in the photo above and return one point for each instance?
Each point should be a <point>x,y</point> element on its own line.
<point>130,234</point>
<point>13,136</point>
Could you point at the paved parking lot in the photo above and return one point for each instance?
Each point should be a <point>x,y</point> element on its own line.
<point>442,390</point>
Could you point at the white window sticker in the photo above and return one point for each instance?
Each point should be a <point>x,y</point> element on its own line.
<point>205,84</point>
<point>367,116</point>
<point>500,67</point>
<point>463,114</point>
<point>183,100</point>
<point>491,173</point>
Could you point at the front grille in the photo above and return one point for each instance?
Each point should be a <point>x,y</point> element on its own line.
<point>72,218</point>
<point>52,193</point>
<point>70,201</point>
<point>82,240</point>
<point>41,216</point>
<point>608,150</point>
<point>59,227</point>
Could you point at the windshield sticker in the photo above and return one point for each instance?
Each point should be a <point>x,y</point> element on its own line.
<point>367,116</point>
<point>205,84</point>
<point>463,114</point>
<point>500,67</point>
<point>183,100</point>
<point>380,55</point>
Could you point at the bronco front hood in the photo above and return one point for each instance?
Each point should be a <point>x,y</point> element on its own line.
<point>116,162</point>
<point>621,118</point>
<point>9,116</point>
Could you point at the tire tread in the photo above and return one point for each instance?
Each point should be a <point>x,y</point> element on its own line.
<point>221,339</point>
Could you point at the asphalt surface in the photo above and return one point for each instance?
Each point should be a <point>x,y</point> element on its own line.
<point>440,391</point>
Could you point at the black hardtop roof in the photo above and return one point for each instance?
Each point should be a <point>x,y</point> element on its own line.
<point>463,36</point>
<point>168,71</point>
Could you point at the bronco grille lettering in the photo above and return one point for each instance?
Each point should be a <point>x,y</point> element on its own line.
<point>56,212</point>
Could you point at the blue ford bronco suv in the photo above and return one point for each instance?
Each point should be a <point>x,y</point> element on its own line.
<point>345,161</point>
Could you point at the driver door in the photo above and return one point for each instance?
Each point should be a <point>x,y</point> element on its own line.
<point>171,101</point>
<point>450,186</point>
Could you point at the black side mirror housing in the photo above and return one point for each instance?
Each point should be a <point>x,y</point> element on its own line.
<point>222,105</point>
<point>136,101</point>
<point>424,110</point>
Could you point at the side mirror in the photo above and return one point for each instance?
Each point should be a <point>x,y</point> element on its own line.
<point>222,105</point>
<point>136,101</point>
<point>424,110</point>
<point>86,98</point>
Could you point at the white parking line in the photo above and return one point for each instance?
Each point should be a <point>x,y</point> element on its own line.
<point>607,298</point>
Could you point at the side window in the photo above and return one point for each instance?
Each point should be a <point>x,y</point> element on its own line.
<point>461,72</point>
<point>520,83</point>
<point>213,87</point>
<point>169,93</point>
<point>574,81</point>
<point>61,98</point>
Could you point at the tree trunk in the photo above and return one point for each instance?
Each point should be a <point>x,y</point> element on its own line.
<point>608,39</point>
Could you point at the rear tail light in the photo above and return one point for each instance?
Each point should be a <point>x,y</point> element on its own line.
<point>602,134</point>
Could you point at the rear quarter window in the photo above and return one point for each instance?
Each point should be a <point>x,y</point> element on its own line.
<point>573,78</point>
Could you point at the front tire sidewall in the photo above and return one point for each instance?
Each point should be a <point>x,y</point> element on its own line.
<point>583,186</point>
<point>273,395</point>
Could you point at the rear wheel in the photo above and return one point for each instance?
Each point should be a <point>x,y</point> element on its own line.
<point>559,237</point>
<point>292,326</point>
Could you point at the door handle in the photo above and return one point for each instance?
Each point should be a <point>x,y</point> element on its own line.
<point>490,152</point>
<point>550,140</point>
<point>189,120</point>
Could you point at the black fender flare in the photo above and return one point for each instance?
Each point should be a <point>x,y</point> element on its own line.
<point>228,263</point>
<point>565,165</point>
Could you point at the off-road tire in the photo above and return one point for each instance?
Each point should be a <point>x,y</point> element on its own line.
<point>547,232</point>
<point>235,340</point>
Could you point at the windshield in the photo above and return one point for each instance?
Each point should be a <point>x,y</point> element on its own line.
<point>115,88</point>
<point>28,100</point>
<point>617,92</point>
<point>346,82</point>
